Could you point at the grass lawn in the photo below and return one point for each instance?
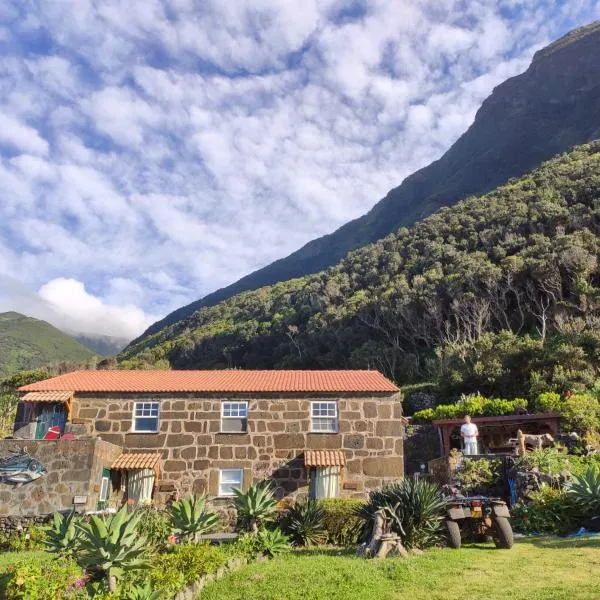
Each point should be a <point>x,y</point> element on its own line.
<point>536,568</point>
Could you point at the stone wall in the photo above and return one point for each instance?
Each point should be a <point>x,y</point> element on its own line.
<point>193,449</point>
<point>74,468</point>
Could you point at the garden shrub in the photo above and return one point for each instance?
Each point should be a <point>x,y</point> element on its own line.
<point>549,510</point>
<point>474,405</point>
<point>34,579</point>
<point>481,476</point>
<point>548,402</point>
<point>30,539</point>
<point>304,522</point>
<point>584,490</point>
<point>341,522</point>
<point>418,507</point>
<point>552,461</point>
<point>185,563</point>
<point>155,525</point>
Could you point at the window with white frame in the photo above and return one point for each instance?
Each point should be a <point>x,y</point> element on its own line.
<point>228,479</point>
<point>104,486</point>
<point>234,417</point>
<point>324,417</point>
<point>325,482</point>
<point>145,417</point>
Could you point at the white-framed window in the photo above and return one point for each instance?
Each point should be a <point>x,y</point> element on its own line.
<point>228,479</point>
<point>104,485</point>
<point>234,417</point>
<point>324,417</point>
<point>145,417</point>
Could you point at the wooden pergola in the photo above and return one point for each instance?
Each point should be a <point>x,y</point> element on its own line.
<point>495,432</point>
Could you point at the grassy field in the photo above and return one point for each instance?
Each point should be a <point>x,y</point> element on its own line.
<point>535,569</point>
<point>10,558</point>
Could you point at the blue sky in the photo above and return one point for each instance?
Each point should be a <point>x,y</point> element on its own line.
<point>151,152</point>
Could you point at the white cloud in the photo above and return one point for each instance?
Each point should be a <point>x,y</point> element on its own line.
<point>151,153</point>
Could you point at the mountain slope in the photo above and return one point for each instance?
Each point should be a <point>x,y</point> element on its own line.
<point>519,264</point>
<point>27,343</point>
<point>103,345</point>
<point>548,109</point>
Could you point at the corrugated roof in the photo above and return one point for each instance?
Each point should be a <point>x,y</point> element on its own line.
<point>324,458</point>
<point>216,381</point>
<point>136,461</point>
<point>48,396</point>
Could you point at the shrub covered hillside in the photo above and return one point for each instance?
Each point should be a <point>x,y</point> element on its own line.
<point>498,294</point>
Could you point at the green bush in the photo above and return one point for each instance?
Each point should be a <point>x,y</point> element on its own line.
<point>341,522</point>
<point>305,523</point>
<point>33,579</point>
<point>548,402</point>
<point>474,405</point>
<point>581,413</point>
<point>271,542</point>
<point>552,461</point>
<point>479,476</point>
<point>155,525</point>
<point>63,534</point>
<point>185,563</point>
<point>30,539</point>
<point>549,510</point>
<point>416,509</point>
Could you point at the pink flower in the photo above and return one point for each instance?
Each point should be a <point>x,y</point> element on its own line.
<point>172,539</point>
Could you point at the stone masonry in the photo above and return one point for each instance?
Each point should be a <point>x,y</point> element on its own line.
<point>74,468</point>
<point>193,449</point>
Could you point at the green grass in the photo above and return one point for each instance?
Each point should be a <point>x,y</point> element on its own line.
<point>11,558</point>
<point>535,569</point>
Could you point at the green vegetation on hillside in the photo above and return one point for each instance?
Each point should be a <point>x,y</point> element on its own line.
<point>498,294</point>
<point>527,119</point>
<point>27,343</point>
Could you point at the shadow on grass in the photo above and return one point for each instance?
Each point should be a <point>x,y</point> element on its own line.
<point>562,543</point>
<point>326,551</point>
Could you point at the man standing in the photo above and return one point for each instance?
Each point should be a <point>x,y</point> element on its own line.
<point>469,434</point>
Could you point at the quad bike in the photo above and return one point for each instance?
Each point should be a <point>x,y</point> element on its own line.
<point>478,518</point>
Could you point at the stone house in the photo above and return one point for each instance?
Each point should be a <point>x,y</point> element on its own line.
<point>172,433</point>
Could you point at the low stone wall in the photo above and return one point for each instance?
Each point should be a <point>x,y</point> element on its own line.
<point>73,472</point>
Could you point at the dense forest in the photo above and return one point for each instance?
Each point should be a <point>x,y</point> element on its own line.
<point>497,294</point>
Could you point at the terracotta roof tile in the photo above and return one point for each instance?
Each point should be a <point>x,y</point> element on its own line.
<point>47,396</point>
<point>136,461</point>
<point>324,458</point>
<point>217,381</point>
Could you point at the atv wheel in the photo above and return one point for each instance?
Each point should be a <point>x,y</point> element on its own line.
<point>504,533</point>
<point>453,534</point>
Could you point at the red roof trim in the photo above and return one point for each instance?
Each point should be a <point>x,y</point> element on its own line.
<point>224,381</point>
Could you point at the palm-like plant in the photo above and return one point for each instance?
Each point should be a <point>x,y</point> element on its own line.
<point>305,523</point>
<point>255,507</point>
<point>585,491</point>
<point>415,509</point>
<point>141,592</point>
<point>62,534</point>
<point>191,518</point>
<point>271,542</point>
<point>111,545</point>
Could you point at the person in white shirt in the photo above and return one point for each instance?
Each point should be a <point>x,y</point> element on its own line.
<point>469,434</point>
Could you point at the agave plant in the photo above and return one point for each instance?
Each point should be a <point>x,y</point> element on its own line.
<point>415,508</point>
<point>305,523</point>
<point>255,507</point>
<point>585,491</point>
<point>141,592</point>
<point>111,545</point>
<point>62,534</point>
<point>191,518</point>
<point>271,542</point>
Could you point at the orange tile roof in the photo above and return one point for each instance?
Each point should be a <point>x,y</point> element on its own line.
<point>324,458</point>
<point>136,461</point>
<point>231,381</point>
<point>47,396</point>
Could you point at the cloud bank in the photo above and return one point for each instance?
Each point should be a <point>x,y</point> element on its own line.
<point>153,152</point>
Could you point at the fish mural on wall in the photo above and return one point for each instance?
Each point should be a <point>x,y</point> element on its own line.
<point>20,468</point>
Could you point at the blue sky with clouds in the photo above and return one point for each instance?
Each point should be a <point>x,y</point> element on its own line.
<point>151,152</point>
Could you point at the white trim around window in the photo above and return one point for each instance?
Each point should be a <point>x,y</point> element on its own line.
<point>228,479</point>
<point>323,416</point>
<point>234,417</point>
<point>145,417</point>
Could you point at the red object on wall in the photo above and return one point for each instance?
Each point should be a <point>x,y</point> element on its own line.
<point>53,433</point>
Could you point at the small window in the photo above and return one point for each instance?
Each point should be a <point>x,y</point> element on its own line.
<point>145,417</point>
<point>228,479</point>
<point>104,485</point>
<point>234,417</point>
<point>324,417</point>
<point>325,482</point>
